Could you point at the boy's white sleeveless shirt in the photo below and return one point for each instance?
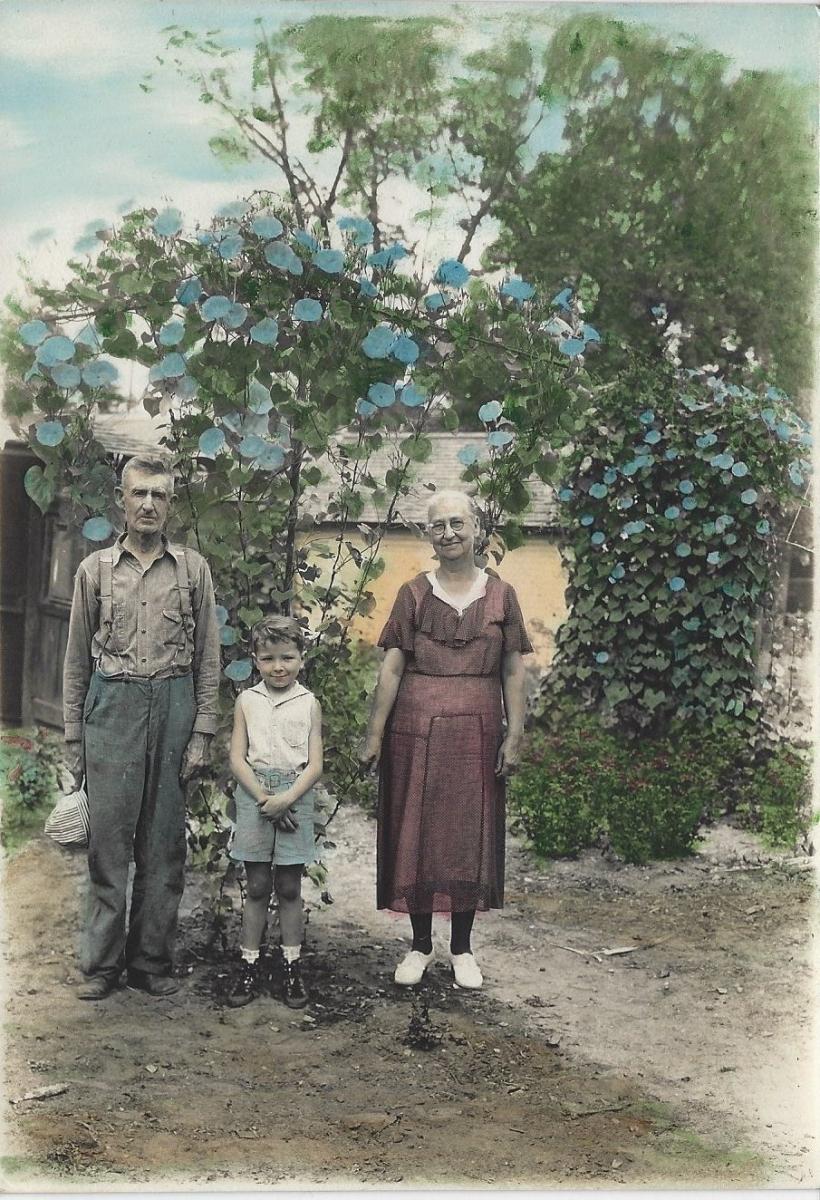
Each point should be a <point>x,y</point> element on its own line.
<point>278,725</point>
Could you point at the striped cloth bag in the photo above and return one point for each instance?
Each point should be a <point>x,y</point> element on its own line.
<point>68,822</point>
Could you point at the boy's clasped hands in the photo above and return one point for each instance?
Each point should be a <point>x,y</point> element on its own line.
<point>275,806</point>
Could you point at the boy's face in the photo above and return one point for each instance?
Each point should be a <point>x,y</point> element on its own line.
<point>279,663</point>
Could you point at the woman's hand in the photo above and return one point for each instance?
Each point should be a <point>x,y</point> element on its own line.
<point>370,750</point>
<point>509,755</point>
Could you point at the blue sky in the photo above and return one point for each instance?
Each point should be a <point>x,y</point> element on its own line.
<point>80,139</point>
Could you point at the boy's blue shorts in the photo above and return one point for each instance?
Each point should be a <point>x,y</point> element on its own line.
<point>257,839</point>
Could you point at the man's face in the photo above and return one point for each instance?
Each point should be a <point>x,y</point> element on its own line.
<point>146,499</point>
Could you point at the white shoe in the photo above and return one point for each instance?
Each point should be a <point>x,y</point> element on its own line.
<point>412,967</point>
<point>466,970</point>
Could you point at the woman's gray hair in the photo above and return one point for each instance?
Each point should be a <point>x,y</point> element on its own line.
<point>482,539</point>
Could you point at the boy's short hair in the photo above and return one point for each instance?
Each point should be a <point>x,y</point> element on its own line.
<point>277,628</point>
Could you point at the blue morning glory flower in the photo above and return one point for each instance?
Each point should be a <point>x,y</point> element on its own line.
<point>172,332</point>
<point>452,273</point>
<point>216,307</point>
<point>435,301</point>
<point>723,522</point>
<point>231,246</point>
<point>270,458</point>
<point>672,513</point>
<point>499,437</point>
<point>307,310</point>
<point>763,527</point>
<point>205,237</point>
<point>769,417</point>
<point>404,349</point>
<point>259,401</point>
<point>713,558</point>
<point>783,431</point>
<point>50,433</point>
<point>676,584</point>
<point>671,454</point>
<point>388,256</point>
<point>590,334</point>
<point>467,455</point>
<point>683,549</point>
<point>562,300</point>
<point>587,519</point>
<point>280,255</point>
<point>97,529</point>
<point>265,332</point>
<point>739,469</point>
<point>598,491</point>
<point>796,475</point>
<point>625,502</point>
<point>54,350</point>
<point>602,657</point>
<point>381,394</point>
<point>359,226</point>
<point>490,411</point>
<point>228,636</point>
<point>631,468</point>
<point>723,461</point>
<point>773,393</point>
<point>186,387</point>
<point>730,539</point>
<point>172,366</point>
<point>66,375</point>
<point>365,408</point>
<point>236,315</point>
<point>267,226</point>
<point>168,223</point>
<point>686,487</point>
<point>618,572</point>
<point>412,397</point>
<point>252,445</point>
<point>610,475</point>
<point>239,669</point>
<point>332,262</point>
<point>101,374</point>
<point>572,347</point>
<point>706,440</point>
<point>748,497</point>
<point>233,209</point>
<point>379,342</point>
<point>634,527</point>
<point>306,239</point>
<point>598,538</point>
<point>652,437</point>
<point>211,442</point>
<point>565,494</point>
<point>689,503</point>
<point>646,417</point>
<point>366,288</point>
<point>222,614</point>
<point>33,332</point>
<point>518,290</point>
<point>189,291</point>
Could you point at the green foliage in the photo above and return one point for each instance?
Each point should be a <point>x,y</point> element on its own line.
<point>776,799</point>
<point>29,772</point>
<point>649,795</point>
<point>697,187</point>
<point>673,494</point>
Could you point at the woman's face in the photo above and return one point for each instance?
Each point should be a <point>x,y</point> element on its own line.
<point>452,529</point>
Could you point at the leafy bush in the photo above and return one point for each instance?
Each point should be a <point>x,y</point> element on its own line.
<point>776,800</point>
<point>650,795</point>
<point>29,771</point>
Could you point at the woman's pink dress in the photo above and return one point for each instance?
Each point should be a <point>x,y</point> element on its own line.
<point>441,807</point>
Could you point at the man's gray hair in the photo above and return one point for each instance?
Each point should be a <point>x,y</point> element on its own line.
<point>151,464</point>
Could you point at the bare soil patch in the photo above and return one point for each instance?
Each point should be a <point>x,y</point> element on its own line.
<point>684,1060</point>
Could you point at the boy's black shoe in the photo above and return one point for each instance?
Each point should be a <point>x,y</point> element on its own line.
<point>245,986</point>
<point>294,995</point>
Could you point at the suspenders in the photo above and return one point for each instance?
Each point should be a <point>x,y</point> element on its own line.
<point>106,561</point>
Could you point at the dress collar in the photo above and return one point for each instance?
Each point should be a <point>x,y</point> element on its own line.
<point>459,603</point>
<point>289,693</point>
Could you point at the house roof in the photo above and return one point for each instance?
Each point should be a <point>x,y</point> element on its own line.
<point>135,432</point>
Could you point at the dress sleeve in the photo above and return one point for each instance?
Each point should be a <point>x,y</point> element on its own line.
<point>513,628</point>
<point>399,632</point>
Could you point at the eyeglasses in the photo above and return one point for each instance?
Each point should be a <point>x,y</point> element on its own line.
<point>438,527</point>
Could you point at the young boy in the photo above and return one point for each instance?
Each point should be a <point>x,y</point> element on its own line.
<point>276,757</point>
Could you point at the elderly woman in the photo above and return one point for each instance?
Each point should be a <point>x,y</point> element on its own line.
<point>453,647</point>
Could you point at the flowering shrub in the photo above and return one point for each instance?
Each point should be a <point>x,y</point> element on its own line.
<point>673,497</point>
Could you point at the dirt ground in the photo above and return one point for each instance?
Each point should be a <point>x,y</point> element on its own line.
<point>638,1027</point>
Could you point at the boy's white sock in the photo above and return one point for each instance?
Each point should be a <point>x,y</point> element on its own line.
<point>291,953</point>
<point>250,956</point>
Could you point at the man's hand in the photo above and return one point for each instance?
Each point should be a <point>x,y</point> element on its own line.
<point>73,758</point>
<point>195,758</point>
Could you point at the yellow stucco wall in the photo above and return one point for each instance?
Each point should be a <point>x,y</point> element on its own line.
<point>534,570</point>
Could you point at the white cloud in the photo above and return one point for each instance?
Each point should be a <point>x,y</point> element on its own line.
<point>80,42</point>
<point>13,135</point>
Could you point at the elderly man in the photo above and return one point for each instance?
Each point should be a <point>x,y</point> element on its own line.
<point>139,695</point>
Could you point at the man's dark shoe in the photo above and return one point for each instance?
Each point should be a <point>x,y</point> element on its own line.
<point>154,985</point>
<point>295,994</point>
<point>97,987</point>
<point>246,984</point>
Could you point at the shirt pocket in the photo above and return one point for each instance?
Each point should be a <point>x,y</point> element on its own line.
<point>294,730</point>
<point>172,629</point>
